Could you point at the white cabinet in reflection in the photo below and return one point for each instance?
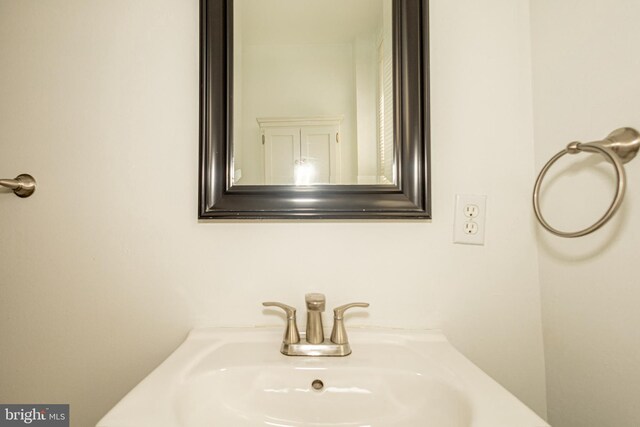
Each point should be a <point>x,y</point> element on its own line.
<point>301,150</point>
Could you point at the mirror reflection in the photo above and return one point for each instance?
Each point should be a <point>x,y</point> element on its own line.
<point>312,92</point>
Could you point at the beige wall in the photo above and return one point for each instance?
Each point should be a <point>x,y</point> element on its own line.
<point>587,83</point>
<point>105,268</point>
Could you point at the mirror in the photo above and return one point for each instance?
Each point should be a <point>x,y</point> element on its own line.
<point>314,109</point>
<point>313,92</point>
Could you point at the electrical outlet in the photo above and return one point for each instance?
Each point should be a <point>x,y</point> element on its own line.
<point>469,219</point>
<point>471,210</point>
<point>470,227</point>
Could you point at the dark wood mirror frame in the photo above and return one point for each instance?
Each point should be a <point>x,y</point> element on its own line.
<point>408,199</point>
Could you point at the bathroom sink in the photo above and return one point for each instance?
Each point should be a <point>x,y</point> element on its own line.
<point>238,377</point>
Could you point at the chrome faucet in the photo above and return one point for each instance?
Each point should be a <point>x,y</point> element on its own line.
<point>315,343</point>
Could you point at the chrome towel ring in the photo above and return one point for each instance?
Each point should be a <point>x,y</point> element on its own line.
<point>619,147</point>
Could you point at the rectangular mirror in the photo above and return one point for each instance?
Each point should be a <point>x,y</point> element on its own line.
<point>313,92</point>
<point>314,109</point>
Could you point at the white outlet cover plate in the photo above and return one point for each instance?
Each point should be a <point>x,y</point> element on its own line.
<point>460,235</point>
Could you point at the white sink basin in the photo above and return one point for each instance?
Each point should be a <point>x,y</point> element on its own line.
<point>237,378</point>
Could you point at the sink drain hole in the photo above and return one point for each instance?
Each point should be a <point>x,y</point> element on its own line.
<point>317,384</point>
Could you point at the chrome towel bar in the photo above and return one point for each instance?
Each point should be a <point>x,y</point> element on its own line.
<point>619,147</point>
<point>23,185</point>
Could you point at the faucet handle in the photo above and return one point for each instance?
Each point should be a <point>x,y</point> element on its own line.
<point>291,334</point>
<point>289,311</point>
<point>339,333</point>
<point>338,312</point>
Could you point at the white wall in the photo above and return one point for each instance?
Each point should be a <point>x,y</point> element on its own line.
<point>106,268</point>
<point>587,83</point>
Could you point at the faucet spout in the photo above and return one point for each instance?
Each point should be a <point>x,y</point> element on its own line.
<point>315,306</point>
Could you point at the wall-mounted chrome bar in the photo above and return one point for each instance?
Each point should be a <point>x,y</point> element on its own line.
<point>619,147</point>
<point>23,185</point>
